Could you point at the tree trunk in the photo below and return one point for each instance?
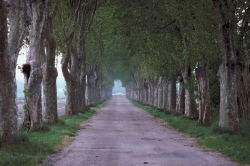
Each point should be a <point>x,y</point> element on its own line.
<point>10,44</point>
<point>190,105</point>
<point>146,92</point>
<point>91,85</point>
<point>71,107</point>
<point>83,84</point>
<point>202,77</point>
<point>151,94</point>
<point>155,91</point>
<point>243,87</point>
<point>33,76</point>
<point>18,29</point>
<point>180,104</point>
<point>165,96</point>
<point>229,118</point>
<point>8,108</point>
<point>243,65</point>
<point>73,62</point>
<point>50,75</point>
<point>171,86</point>
<point>160,93</point>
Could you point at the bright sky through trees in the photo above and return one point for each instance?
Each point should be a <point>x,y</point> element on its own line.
<point>118,89</point>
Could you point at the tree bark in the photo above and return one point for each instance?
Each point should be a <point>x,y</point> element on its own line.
<point>160,93</point>
<point>145,89</point>
<point>243,65</point>
<point>50,75</point>
<point>202,77</point>
<point>8,108</point>
<point>90,86</point>
<point>155,92</point>
<point>34,61</point>
<point>180,103</point>
<point>83,83</point>
<point>229,118</point>
<point>71,101</point>
<point>190,105</point>
<point>165,96</point>
<point>10,44</point>
<point>171,99</point>
<point>151,93</point>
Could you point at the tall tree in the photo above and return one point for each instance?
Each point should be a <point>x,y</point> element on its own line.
<point>205,116</point>
<point>73,61</point>
<point>229,116</point>
<point>49,70</point>
<point>33,67</point>
<point>10,44</point>
<point>243,53</point>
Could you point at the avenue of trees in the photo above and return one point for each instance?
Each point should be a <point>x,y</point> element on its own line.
<point>186,57</point>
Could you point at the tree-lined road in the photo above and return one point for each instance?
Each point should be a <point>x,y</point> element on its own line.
<point>124,135</point>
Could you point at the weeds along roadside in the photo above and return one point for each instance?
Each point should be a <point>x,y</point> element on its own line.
<point>30,149</point>
<point>237,147</point>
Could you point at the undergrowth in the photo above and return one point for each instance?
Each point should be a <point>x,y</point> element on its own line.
<point>235,146</point>
<point>31,148</point>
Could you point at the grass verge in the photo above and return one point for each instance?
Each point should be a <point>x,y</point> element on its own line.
<point>237,147</point>
<point>31,148</point>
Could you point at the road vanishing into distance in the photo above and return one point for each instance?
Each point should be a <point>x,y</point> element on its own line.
<point>121,134</point>
<point>60,109</point>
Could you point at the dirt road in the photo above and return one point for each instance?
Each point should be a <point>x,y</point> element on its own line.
<point>124,135</point>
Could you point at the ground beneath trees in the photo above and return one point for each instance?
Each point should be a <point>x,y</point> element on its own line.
<point>124,135</point>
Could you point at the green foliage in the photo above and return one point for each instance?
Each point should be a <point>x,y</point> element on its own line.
<point>152,38</point>
<point>63,24</point>
<point>235,146</point>
<point>28,93</point>
<point>32,148</point>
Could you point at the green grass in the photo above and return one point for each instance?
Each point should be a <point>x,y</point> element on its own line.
<point>235,146</point>
<point>31,148</point>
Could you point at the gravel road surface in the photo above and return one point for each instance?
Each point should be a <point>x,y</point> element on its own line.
<point>124,135</point>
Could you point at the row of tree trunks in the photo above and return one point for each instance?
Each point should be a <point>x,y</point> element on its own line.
<point>21,15</point>
<point>163,94</point>
<point>74,58</point>
<point>95,89</point>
